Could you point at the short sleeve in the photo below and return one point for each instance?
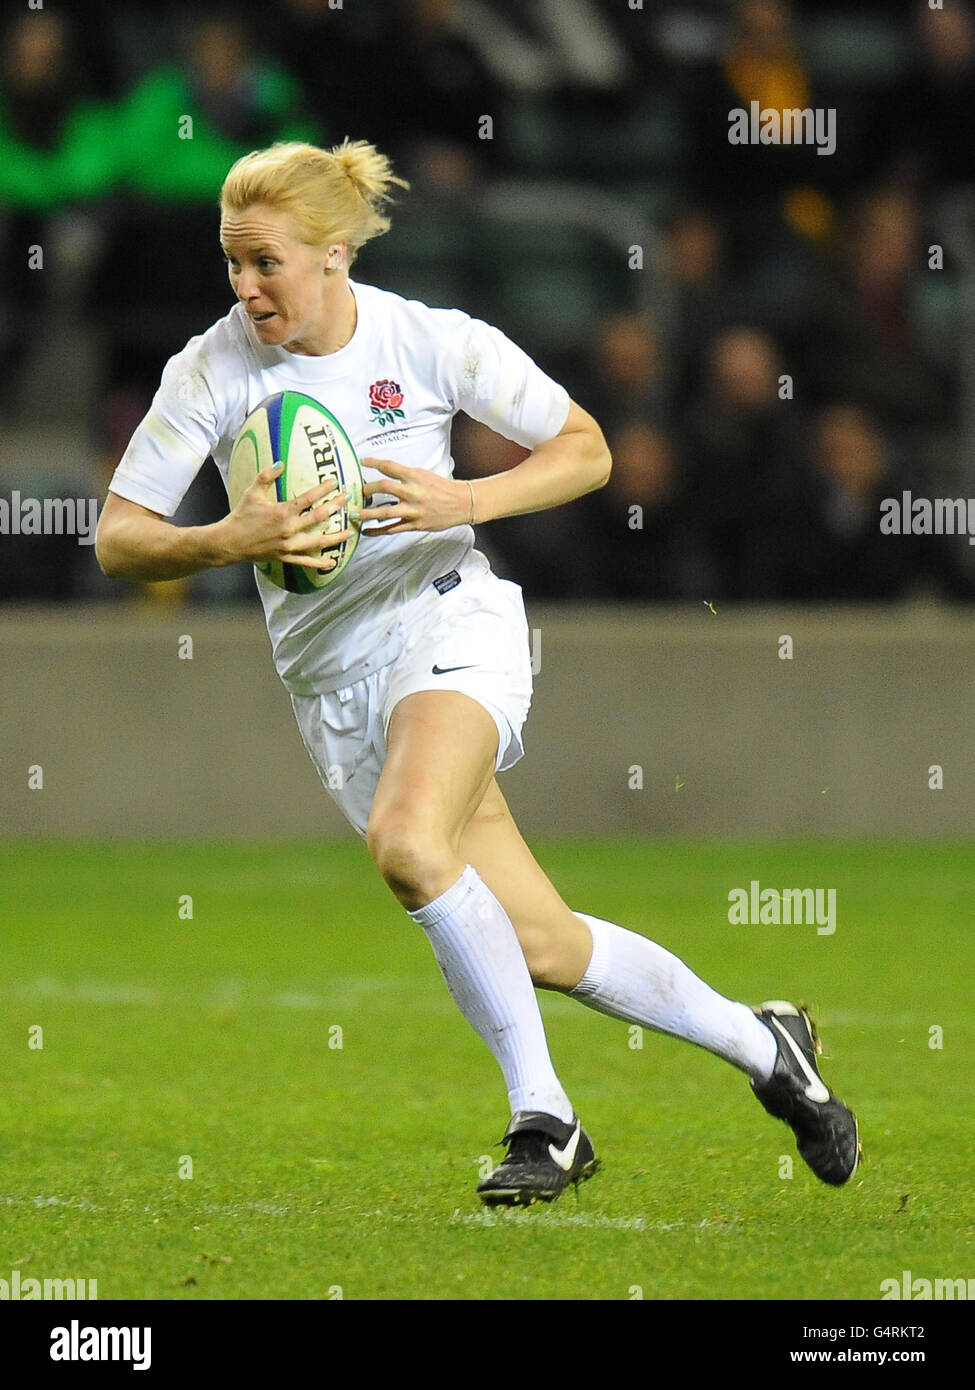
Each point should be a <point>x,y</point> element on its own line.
<point>173,442</point>
<point>495,382</point>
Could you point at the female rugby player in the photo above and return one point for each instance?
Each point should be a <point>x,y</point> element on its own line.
<point>411,673</point>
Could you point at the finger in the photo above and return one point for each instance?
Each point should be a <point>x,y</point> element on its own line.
<point>267,476</point>
<point>320,514</point>
<point>391,467</point>
<point>309,541</point>
<point>306,522</point>
<point>307,562</point>
<point>388,488</point>
<point>328,542</point>
<point>317,494</point>
<point>381,513</point>
<point>337,539</point>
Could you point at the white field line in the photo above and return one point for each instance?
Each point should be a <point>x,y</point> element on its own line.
<point>589,1220</point>
<point>549,1217</point>
<point>343,991</point>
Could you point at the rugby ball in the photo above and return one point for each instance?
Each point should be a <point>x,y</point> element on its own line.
<point>299,432</point>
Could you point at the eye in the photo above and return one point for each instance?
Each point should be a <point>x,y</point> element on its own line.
<point>266,263</point>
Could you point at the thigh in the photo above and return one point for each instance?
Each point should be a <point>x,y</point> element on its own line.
<point>441,748</point>
<point>556,943</point>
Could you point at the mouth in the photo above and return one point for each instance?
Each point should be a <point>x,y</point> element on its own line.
<point>262,318</point>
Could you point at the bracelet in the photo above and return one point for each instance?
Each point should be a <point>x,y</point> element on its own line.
<point>471,486</point>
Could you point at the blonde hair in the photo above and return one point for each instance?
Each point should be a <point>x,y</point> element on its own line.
<point>333,195</point>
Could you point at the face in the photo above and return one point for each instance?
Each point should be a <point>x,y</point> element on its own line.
<point>280,281</point>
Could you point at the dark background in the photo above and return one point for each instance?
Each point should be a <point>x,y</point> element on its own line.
<point>608,132</point>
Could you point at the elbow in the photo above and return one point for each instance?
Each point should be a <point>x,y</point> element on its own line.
<point>593,460</point>
<point>607,466</point>
<point>602,463</point>
<point>107,560</point>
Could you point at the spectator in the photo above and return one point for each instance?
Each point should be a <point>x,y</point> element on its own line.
<point>155,284</point>
<point>625,379</point>
<point>857,332</point>
<point>56,152</point>
<point>790,186</point>
<point>55,142</point>
<point>845,555</point>
<point>759,62</point>
<point>235,99</point>
<point>705,299</point>
<point>745,476</point>
<point>641,523</point>
<point>926,122</point>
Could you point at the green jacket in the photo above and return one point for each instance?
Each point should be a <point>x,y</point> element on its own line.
<point>137,144</point>
<point>159,156</point>
<point>83,165</point>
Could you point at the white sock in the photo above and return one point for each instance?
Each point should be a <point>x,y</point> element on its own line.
<point>483,964</point>
<point>632,978</point>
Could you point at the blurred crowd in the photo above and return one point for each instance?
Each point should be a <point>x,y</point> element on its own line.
<point>764,332</point>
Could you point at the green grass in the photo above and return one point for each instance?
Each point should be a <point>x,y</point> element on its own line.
<point>316,1166</point>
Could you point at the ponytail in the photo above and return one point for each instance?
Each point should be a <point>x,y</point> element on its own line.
<point>333,195</point>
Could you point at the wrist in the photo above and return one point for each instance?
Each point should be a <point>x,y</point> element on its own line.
<point>213,544</point>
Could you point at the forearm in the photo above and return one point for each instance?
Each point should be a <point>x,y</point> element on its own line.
<point>146,550</point>
<point>557,471</point>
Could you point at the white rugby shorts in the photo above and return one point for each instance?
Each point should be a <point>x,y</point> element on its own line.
<point>467,631</point>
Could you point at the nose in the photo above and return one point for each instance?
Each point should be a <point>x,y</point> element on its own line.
<point>245,288</point>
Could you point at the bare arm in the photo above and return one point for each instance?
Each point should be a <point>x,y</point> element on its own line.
<point>575,462</point>
<point>135,543</point>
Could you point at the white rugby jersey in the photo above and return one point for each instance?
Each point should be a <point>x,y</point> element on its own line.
<point>438,361</point>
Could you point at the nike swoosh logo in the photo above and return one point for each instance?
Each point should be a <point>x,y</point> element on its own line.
<point>443,670</point>
<point>815,1090</point>
<point>566,1157</point>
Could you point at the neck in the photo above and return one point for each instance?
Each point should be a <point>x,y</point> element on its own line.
<point>341,316</point>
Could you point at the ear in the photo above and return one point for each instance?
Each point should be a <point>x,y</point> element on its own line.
<point>335,259</point>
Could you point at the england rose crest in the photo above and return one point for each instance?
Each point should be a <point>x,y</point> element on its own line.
<point>386,398</point>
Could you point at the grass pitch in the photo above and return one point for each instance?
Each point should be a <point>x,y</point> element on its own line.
<point>293,1046</point>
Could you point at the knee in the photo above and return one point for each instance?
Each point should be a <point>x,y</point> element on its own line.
<point>411,857</point>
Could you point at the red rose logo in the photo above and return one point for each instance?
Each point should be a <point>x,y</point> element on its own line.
<point>386,398</point>
<point>385,394</point>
